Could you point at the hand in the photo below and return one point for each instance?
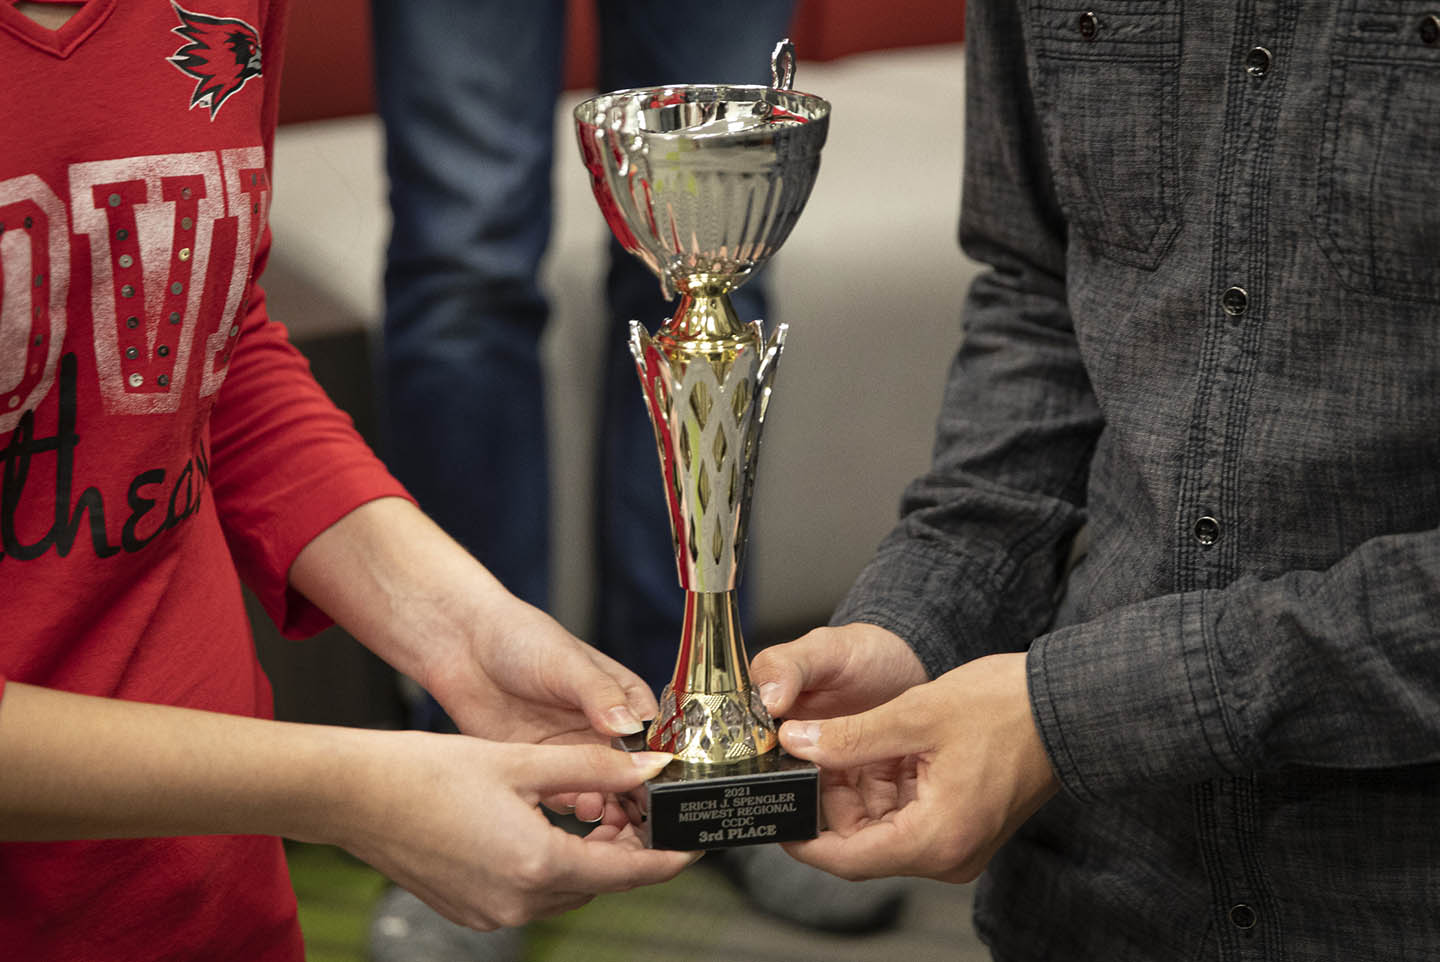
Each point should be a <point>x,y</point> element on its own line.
<point>528,679</point>
<point>835,671</point>
<point>453,819</point>
<point>503,669</point>
<point>931,783</point>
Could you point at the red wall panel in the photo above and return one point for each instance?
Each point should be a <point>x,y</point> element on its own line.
<point>327,59</point>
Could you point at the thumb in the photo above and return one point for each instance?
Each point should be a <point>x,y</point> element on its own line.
<point>849,741</point>
<point>546,770</point>
<point>609,698</point>
<point>781,673</point>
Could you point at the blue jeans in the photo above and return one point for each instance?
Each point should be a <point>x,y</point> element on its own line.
<point>467,90</point>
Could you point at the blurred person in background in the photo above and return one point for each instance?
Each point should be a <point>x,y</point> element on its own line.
<point>468,93</point>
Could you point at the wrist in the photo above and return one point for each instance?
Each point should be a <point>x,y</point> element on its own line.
<point>342,782</point>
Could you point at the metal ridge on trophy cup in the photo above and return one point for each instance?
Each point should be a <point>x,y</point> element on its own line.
<point>703,183</point>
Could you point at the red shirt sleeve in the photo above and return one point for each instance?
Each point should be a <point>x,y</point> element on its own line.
<point>286,463</point>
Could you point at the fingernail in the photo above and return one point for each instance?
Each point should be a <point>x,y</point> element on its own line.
<point>590,821</point>
<point>623,721</point>
<point>802,734</point>
<point>651,761</point>
<point>769,694</point>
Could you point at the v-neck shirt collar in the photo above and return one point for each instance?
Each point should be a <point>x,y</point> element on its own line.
<point>61,42</point>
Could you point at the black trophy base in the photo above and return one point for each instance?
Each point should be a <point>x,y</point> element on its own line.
<point>773,798</point>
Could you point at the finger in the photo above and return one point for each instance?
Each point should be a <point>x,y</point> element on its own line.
<point>843,809</point>
<point>582,677</point>
<point>593,864</point>
<point>630,836</point>
<point>638,694</point>
<point>878,850</point>
<point>590,807</point>
<point>781,672</point>
<point>904,726</point>
<point>604,832</point>
<point>562,803</point>
<point>552,769</point>
<point>549,904</point>
<point>616,813</point>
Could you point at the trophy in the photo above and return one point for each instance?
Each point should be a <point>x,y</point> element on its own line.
<point>703,183</point>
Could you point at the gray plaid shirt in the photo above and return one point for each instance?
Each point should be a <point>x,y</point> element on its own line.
<point>1211,337</point>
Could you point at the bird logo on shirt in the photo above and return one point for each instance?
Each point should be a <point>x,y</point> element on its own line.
<point>220,53</point>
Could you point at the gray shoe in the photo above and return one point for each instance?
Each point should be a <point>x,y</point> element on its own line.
<point>405,929</point>
<point>797,893</point>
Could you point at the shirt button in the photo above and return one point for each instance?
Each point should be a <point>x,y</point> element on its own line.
<point>1089,24</point>
<point>1243,916</point>
<point>1206,531</point>
<point>1234,301</point>
<point>1430,30</point>
<point>1257,62</point>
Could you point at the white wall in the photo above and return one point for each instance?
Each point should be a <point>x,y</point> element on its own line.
<point>870,283</point>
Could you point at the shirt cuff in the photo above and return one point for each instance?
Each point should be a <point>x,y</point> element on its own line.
<point>1128,701</point>
<point>928,596</point>
<point>268,570</point>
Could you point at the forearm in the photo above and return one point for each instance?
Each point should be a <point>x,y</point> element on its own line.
<point>974,564</point>
<point>400,585</point>
<point>451,818</point>
<point>1337,668</point>
<point>75,766</point>
<point>501,668</point>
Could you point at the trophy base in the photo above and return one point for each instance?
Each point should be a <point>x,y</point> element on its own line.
<point>773,798</point>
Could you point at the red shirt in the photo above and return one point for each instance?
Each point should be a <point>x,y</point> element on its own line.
<point>157,432</point>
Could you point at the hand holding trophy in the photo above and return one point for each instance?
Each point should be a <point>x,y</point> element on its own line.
<point>703,183</point>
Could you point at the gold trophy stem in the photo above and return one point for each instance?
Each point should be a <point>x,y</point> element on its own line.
<point>703,324</point>
<point>711,664</point>
<point>711,659</point>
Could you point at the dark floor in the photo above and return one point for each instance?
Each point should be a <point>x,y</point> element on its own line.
<point>697,917</point>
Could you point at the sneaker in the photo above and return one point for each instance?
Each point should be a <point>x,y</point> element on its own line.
<point>806,896</point>
<point>405,929</point>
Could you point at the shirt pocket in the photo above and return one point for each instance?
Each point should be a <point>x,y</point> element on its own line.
<point>1375,217</point>
<point>1106,77</point>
